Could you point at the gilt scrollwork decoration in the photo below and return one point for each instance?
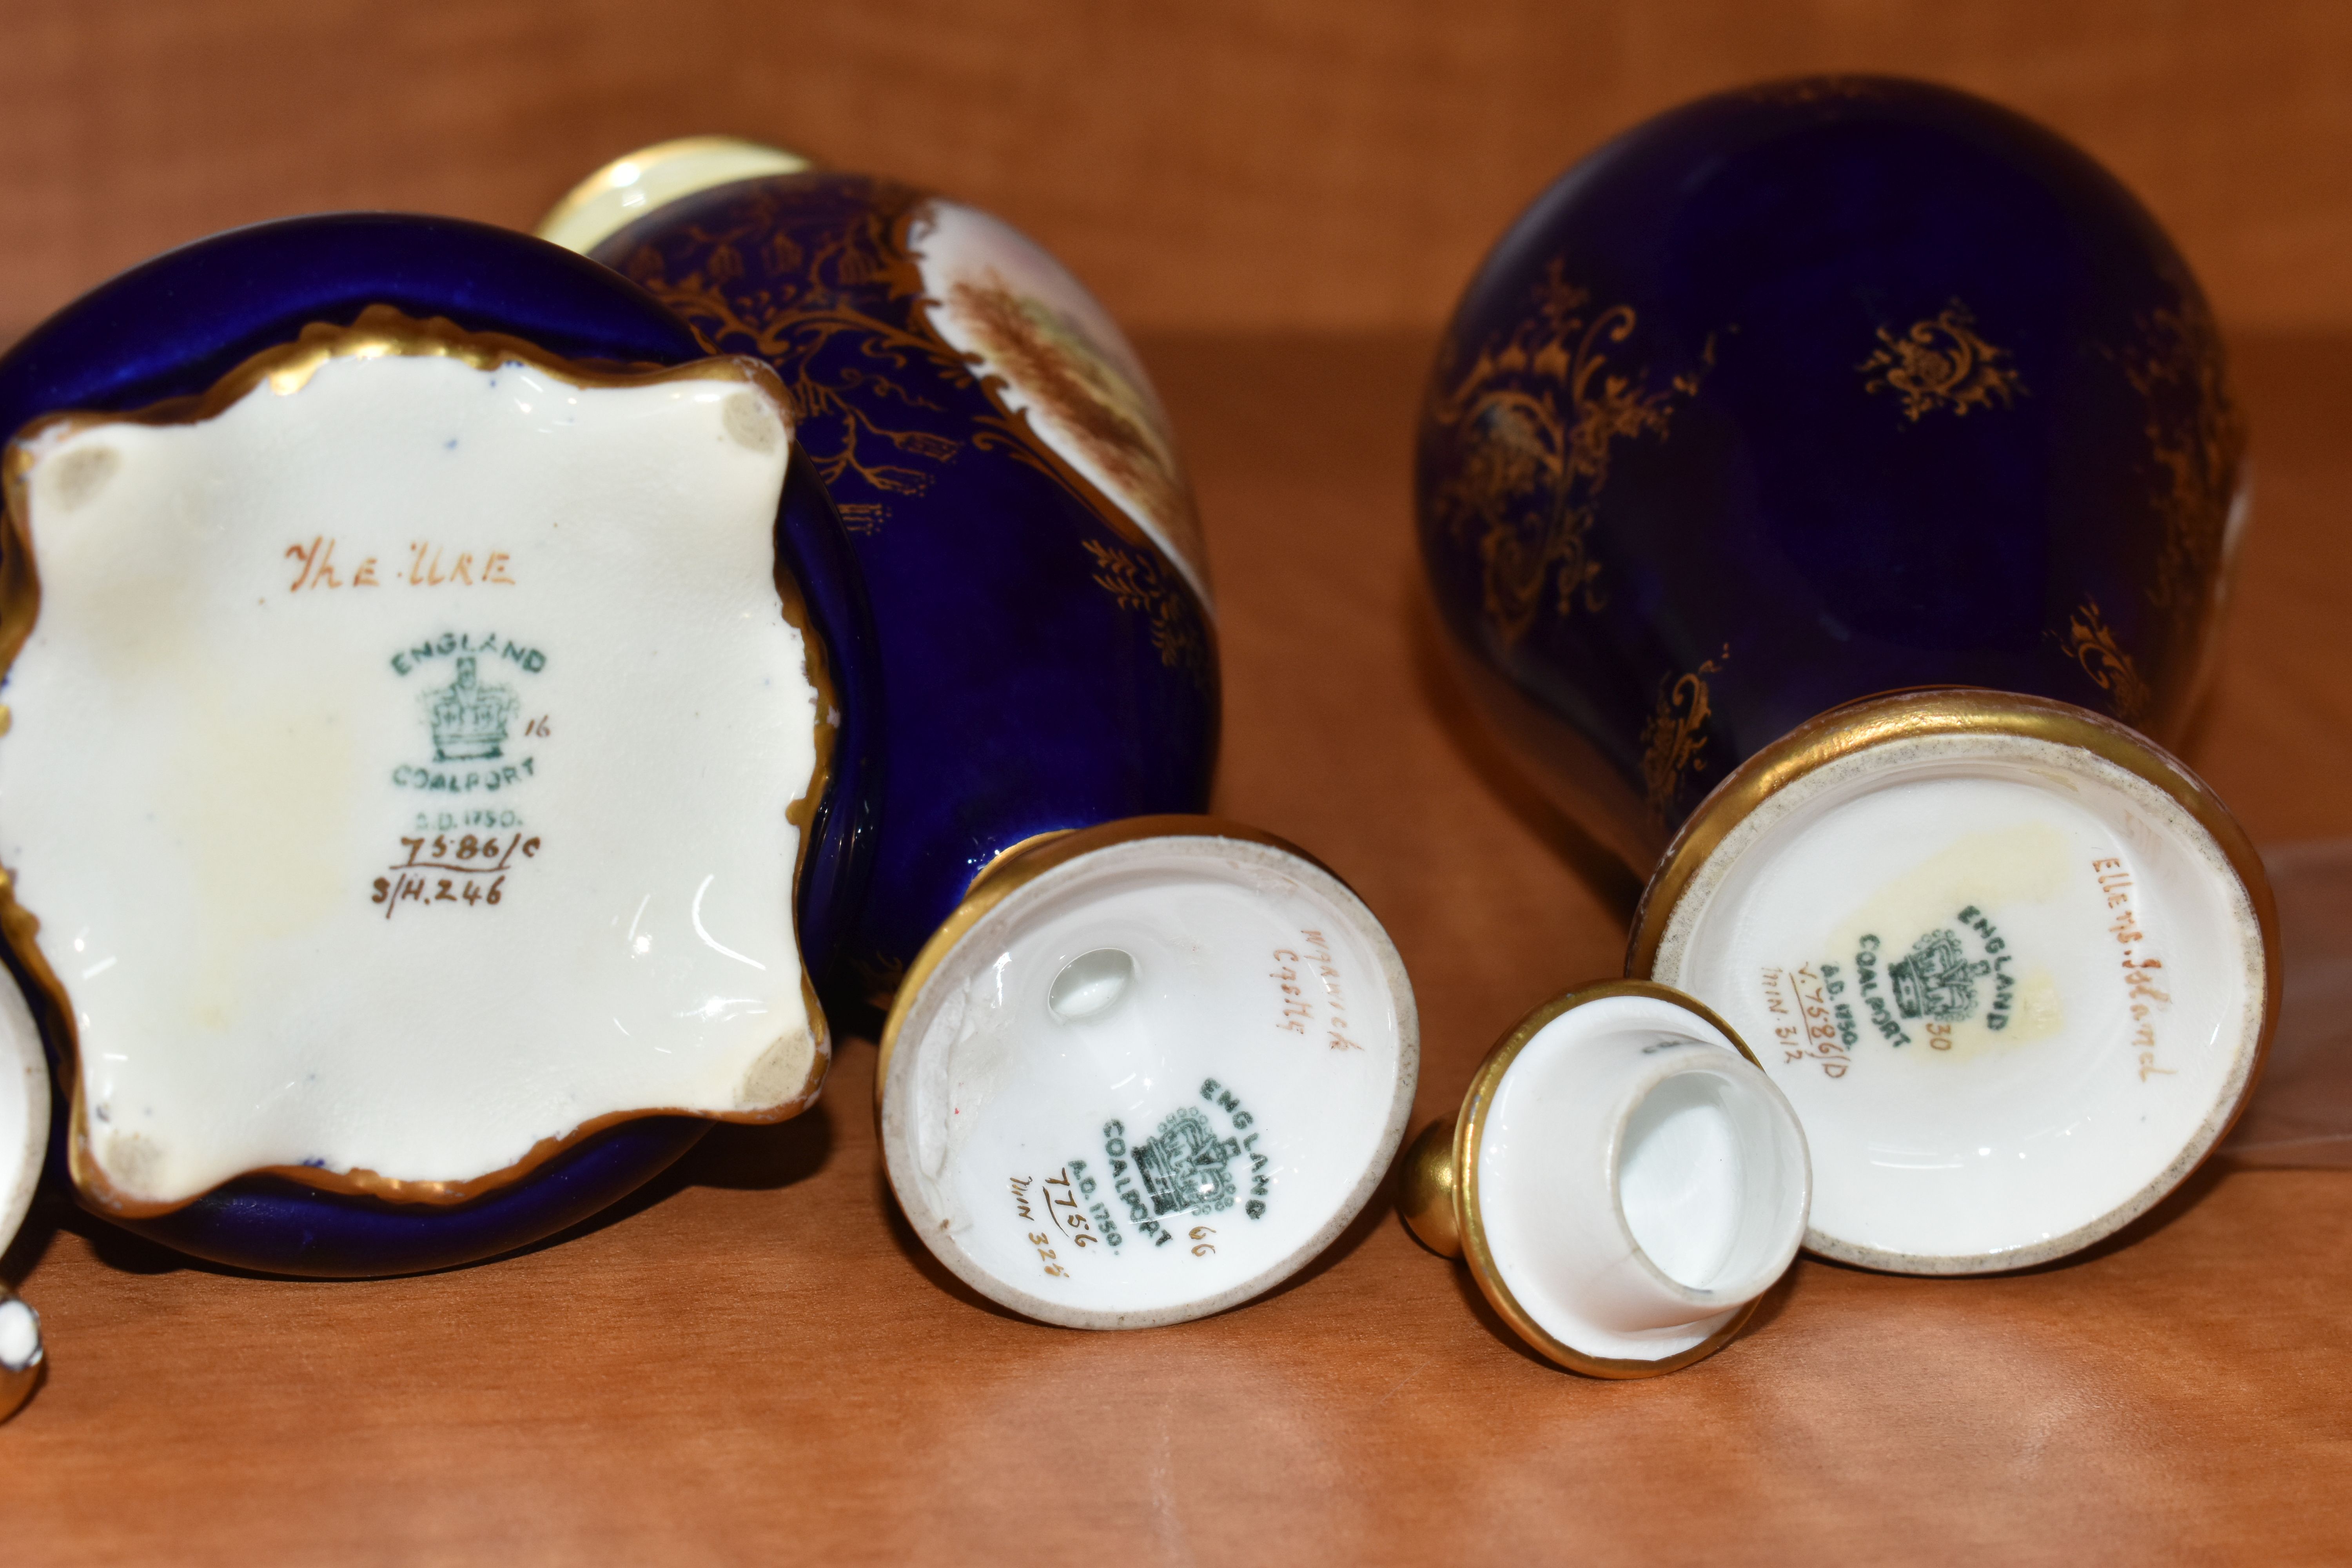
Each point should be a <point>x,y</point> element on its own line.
<point>841,312</point>
<point>1941,362</point>
<point>1674,738</point>
<point>2091,643</point>
<point>842,315</point>
<point>2196,439</point>
<point>1140,583</point>
<point>755,288</point>
<point>1536,419</point>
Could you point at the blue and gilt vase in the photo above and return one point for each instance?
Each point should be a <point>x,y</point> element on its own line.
<point>982,619</point>
<point>1013,497</point>
<point>1812,391</point>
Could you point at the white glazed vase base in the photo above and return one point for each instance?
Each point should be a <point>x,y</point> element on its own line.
<point>2014,991</point>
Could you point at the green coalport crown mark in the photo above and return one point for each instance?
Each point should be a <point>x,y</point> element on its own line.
<point>1951,974</point>
<point>471,716</point>
<point>1184,1166</point>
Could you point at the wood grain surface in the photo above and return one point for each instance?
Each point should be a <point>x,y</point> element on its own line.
<point>754,1361</point>
<point>1220,165</point>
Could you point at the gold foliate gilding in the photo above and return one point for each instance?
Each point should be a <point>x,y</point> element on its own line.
<point>1942,363</point>
<point>1469,1130</point>
<point>1535,417</point>
<point>1672,739</point>
<point>2091,643</point>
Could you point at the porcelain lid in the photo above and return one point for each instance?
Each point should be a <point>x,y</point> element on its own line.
<point>1148,1072</point>
<point>1623,1182</point>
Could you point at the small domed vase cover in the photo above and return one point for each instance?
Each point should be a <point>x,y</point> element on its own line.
<point>455,742</point>
<point>1622,1180</point>
<point>1807,392</point>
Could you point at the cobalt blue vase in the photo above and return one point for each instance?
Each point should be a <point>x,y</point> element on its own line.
<point>997,647</point>
<point>157,338</point>
<point>1808,392</point>
<point>1012,498</point>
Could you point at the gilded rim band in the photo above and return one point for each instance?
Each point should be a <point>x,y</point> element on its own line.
<point>1469,1129</point>
<point>1018,865</point>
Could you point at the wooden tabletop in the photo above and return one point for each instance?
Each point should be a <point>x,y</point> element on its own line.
<point>755,1361</point>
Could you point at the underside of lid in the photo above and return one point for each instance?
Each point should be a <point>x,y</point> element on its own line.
<point>1151,1070</point>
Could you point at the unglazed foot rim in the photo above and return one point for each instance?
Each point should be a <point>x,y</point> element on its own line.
<point>1257,1054</point>
<point>2024,967</point>
<point>394,872</point>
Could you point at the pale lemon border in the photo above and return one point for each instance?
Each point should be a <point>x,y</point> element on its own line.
<point>654,169</point>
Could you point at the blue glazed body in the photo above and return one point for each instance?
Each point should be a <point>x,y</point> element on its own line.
<point>176,325</point>
<point>1044,665</point>
<point>1818,390</point>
